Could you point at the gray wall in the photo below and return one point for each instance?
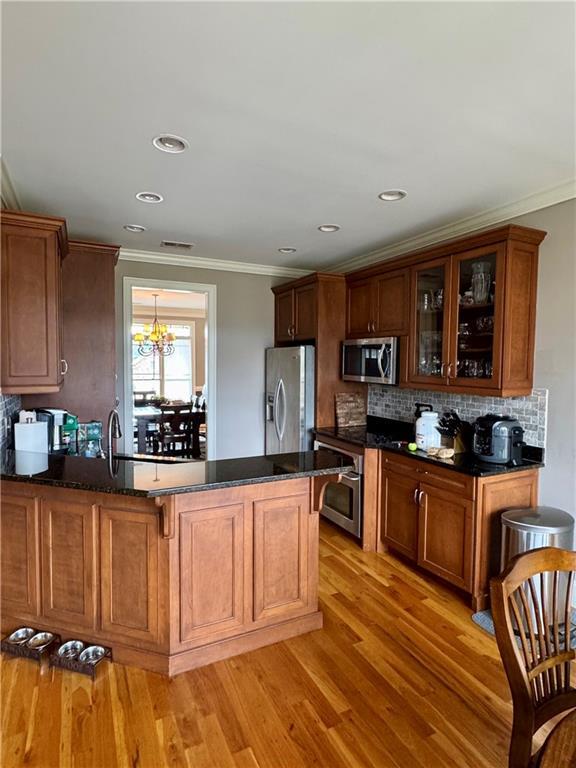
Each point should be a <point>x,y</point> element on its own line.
<point>245,327</point>
<point>555,361</point>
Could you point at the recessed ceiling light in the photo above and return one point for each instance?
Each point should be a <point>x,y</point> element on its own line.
<point>329,228</point>
<point>287,250</point>
<point>167,142</point>
<point>390,195</point>
<point>134,228</point>
<point>149,197</point>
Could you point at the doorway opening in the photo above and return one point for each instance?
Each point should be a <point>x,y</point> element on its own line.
<point>169,361</point>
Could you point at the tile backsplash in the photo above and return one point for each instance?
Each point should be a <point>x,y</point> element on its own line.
<point>531,410</point>
<point>9,404</point>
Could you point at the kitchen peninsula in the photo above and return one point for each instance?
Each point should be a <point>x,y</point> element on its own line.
<point>173,565</point>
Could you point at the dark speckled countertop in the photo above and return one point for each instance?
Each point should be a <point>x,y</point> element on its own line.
<point>391,435</point>
<point>135,476</point>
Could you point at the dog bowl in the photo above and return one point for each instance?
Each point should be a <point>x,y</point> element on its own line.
<point>40,640</point>
<point>71,649</point>
<point>92,654</point>
<point>21,635</point>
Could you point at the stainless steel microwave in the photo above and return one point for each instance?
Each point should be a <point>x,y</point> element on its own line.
<point>371,360</point>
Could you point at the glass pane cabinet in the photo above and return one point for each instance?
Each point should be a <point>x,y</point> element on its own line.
<point>430,336</point>
<point>475,355</point>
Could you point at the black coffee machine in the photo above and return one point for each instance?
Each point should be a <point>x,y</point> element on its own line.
<point>498,439</point>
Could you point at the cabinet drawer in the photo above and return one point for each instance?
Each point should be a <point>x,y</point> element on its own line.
<point>447,479</point>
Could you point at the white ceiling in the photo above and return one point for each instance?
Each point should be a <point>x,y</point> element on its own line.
<point>297,115</point>
<point>168,299</point>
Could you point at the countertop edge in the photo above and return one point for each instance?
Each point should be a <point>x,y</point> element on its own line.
<point>71,485</point>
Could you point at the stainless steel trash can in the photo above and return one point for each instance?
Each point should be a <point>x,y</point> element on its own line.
<point>534,527</point>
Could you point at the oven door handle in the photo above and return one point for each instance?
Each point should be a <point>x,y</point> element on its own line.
<point>353,477</point>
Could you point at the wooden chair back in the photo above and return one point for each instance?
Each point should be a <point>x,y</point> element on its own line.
<point>532,610</point>
<point>175,426</point>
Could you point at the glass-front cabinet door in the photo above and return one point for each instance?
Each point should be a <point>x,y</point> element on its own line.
<point>477,297</point>
<point>429,351</point>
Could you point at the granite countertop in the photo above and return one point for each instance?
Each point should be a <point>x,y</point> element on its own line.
<point>134,476</point>
<point>393,436</point>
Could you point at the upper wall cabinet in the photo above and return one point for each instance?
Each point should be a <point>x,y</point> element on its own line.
<point>473,317</point>
<point>467,308</point>
<point>312,311</point>
<point>378,305</point>
<point>295,315</point>
<point>32,250</point>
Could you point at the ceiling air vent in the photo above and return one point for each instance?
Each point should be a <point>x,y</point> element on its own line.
<point>176,244</point>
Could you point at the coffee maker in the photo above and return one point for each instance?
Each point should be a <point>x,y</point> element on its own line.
<point>56,418</point>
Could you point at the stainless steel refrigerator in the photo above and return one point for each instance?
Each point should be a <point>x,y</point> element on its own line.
<point>289,399</point>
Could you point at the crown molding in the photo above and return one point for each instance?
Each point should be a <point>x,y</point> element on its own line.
<point>9,197</point>
<point>546,198</point>
<point>198,262</point>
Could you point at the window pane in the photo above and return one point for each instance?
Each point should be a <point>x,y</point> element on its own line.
<point>180,330</point>
<point>179,364</point>
<point>178,389</point>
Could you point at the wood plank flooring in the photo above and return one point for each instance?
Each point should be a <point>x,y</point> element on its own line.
<point>399,677</point>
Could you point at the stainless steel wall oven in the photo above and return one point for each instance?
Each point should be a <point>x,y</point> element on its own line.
<point>343,501</point>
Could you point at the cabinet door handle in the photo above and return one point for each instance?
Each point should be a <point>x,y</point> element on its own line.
<point>64,367</point>
<point>369,326</point>
<point>450,368</point>
<point>415,495</point>
<point>421,495</point>
<point>442,367</point>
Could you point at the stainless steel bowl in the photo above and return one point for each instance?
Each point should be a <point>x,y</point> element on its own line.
<point>92,654</point>
<point>40,640</point>
<point>21,635</point>
<point>71,649</point>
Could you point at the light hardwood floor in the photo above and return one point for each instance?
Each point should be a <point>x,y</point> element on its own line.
<point>399,677</point>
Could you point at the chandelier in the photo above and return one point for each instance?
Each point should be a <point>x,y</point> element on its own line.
<point>156,339</point>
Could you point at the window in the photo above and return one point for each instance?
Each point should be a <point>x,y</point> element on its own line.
<point>169,377</point>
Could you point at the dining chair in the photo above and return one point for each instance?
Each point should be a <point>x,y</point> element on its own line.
<point>175,429</point>
<point>532,610</point>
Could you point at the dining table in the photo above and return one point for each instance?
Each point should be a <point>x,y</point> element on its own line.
<point>150,414</point>
<point>559,750</point>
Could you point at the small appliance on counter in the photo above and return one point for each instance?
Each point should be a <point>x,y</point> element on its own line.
<point>56,419</point>
<point>498,439</point>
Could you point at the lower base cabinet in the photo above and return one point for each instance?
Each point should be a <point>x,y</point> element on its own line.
<point>448,523</point>
<point>446,535</point>
<point>400,513</point>
<point>169,584</point>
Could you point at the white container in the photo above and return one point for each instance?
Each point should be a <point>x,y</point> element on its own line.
<point>427,436</point>
<point>32,436</point>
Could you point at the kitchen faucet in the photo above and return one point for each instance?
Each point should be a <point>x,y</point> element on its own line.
<point>114,430</point>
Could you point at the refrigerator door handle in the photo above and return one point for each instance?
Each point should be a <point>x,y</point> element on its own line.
<point>275,409</point>
<point>281,391</point>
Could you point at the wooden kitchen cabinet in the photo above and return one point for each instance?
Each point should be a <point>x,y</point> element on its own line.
<point>69,563</point>
<point>478,340</point>
<point>215,593</point>
<point>296,313</point>
<point>399,528</point>
<point>446,535</point>
<point>20,555</point>
<point>129,578</point>
<point>378,306</point>
<point>31,340</point>
<point>456,342</point>
<point>88,345</point>
<point>448,522</point>
<point>281,556</point>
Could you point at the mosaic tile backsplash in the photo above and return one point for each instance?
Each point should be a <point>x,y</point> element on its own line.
<point>9,404</point>
<point>531,411</point>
